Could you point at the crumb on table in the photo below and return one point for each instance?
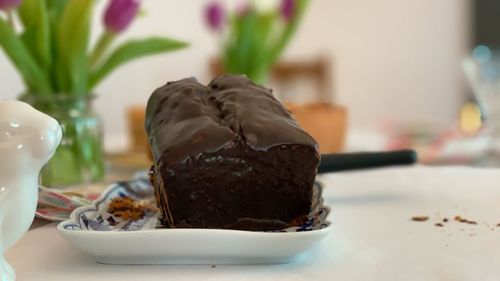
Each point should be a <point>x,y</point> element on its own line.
<point>464,220</point>
<point>420,218</point>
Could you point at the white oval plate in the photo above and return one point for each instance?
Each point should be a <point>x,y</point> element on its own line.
<point>108,239</point>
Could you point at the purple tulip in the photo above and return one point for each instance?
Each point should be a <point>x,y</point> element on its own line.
<point>215,15</point>
<point>120,14</point>
<point>287,9</point>
<point>9,4</point>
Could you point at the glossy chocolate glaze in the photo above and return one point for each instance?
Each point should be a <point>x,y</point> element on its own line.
<point>228,155</point>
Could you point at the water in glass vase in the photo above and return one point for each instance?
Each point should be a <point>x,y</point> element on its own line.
<point>79,159</point>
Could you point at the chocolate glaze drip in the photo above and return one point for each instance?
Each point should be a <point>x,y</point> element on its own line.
<point>228,155</point>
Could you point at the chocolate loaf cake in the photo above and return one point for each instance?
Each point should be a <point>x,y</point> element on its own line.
<point>228,155</point>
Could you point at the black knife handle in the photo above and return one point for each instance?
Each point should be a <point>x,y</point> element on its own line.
<point>364,160</point>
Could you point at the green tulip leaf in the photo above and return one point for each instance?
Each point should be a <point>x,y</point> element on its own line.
<point>33,15</point>
<point>262,38</point>
<point>56,7</point>
<point>23,60</point>
<point>132,50</point>
<point>72,41</point>
<point>289,31</point>
<point>246,45</point>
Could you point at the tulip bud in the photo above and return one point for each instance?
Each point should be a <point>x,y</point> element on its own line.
<point>120,14</point>
<point>287,9</point>
<point>9,4</point>
<point>215,15</point>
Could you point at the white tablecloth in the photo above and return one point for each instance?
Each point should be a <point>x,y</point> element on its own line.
<point>373,237</point>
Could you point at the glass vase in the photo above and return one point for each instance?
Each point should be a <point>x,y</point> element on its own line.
<point>79,159</point>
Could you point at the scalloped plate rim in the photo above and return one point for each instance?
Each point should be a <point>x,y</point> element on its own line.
<point>188,246</point>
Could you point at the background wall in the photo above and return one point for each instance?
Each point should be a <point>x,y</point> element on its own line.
<point>393,60</point>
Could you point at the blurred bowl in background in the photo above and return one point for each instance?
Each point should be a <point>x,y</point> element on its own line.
<point>325,122</point>
<point>482,70</point>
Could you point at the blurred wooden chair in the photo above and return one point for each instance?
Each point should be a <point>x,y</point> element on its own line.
<point>283,72</point>
<point>136,115</point>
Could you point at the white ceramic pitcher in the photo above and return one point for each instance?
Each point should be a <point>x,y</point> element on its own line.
<point>28,139</point>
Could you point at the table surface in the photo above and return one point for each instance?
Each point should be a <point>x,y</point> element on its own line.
<point>373,237</point>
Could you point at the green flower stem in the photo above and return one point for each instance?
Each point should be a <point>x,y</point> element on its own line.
<point>289,31</point>
<point>10,18</point>
<point>259,74</point>
<point>79,158</point>
<point>256,41</point>
<point>101,47</point>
